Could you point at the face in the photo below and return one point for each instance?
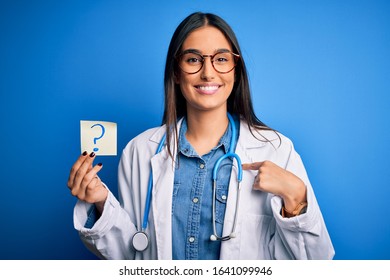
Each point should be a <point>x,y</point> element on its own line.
<point>207,89</point>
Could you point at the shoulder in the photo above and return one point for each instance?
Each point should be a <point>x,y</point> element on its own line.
<point>258,137</point>
<point>264,144</point>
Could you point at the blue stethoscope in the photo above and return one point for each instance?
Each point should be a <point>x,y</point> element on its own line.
<point>140,239</point>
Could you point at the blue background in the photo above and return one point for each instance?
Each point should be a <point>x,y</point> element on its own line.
<point>319,72</point>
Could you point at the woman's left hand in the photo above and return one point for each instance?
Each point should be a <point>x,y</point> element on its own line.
<point>273,179</point>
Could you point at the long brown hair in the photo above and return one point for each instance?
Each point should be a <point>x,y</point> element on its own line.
<point>239,101</point>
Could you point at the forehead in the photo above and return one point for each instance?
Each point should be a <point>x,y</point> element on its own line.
<point>206,39</point>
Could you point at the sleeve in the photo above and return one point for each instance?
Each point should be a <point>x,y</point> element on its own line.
<point>109,237</point>
<point>304,236</point>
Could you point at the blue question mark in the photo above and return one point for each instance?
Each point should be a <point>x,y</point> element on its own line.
<point>97,138</point>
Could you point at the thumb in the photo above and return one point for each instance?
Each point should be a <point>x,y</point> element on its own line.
<point>252,166</point>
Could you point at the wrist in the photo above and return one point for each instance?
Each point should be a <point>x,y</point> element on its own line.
<point>294,196</point>
<point>295,203</point>
<point>298,210</point>
<point>100,204</point>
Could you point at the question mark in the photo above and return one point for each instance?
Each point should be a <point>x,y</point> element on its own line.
<point>97,138</point>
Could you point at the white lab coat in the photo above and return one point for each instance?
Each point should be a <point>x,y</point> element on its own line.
<point>262,233</point>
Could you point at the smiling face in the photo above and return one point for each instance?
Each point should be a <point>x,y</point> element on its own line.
<point>207,89</point>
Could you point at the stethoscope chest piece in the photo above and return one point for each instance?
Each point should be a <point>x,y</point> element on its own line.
<point>140,241</point>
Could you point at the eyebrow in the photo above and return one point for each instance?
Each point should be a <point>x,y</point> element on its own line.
<point>200,53</point>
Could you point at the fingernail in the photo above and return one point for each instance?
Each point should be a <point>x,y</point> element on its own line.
<point>100,164</point>
<point>92,154</point>
<point>85,153</point>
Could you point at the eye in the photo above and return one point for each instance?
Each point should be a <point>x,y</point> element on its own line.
<point>191,58</point>
<point>222,58</point>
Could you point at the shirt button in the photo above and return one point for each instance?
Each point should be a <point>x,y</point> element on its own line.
<point>195,200</point>
<point>224,197</point>
<point>191,239</point>
<point>201,166</point>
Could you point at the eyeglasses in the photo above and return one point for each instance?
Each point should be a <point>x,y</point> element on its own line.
<point>191,61</point>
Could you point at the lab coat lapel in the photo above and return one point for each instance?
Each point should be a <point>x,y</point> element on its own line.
<point>163,170</point>
<point>245,145</point>
<point>163,174</point>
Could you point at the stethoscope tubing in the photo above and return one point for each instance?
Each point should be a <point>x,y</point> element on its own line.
<point>150,188</point>
<point>140,239</point>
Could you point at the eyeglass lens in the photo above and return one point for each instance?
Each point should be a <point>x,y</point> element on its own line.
<point>223,62</point>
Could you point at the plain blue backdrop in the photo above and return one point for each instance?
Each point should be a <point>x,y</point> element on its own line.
<point>319,73</point>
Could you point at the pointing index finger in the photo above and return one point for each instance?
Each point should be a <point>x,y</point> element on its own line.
<point>252,166</point>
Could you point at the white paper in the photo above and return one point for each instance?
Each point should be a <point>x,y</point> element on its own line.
<point>99,137</point>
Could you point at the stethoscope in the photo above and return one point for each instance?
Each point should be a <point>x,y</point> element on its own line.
<point>140,239</point>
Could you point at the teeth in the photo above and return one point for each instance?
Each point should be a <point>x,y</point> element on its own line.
<point>208,88</point>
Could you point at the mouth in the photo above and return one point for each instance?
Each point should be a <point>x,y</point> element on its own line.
<point>207,89</point>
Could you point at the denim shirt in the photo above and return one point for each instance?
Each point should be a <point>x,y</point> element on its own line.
<point>192,198</point>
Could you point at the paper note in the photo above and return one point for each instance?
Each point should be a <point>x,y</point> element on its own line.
<point>99,137</point>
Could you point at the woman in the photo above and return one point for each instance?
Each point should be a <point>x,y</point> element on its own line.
<point>208,112</point>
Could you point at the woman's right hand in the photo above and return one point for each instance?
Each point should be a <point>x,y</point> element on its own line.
<point>84,183</point>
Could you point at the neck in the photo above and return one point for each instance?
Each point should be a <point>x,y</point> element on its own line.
<point>206,129</point>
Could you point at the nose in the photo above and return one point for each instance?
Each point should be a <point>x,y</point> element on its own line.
<point>207,71</point>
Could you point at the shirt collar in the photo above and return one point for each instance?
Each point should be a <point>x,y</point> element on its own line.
<point>185,147</point>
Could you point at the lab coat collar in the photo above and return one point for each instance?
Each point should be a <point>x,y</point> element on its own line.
<point>258,139</point>
<point>261,137</point>
<point>156,137</point>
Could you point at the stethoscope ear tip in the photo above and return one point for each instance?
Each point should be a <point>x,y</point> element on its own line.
<point>232,235</point>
